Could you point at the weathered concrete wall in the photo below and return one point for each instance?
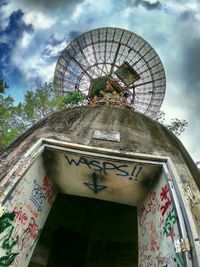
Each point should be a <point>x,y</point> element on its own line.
<point>138,134</point>
<point>25,213</point>
<point>158,228</point>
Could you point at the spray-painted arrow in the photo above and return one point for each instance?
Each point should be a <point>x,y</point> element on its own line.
<point>94,186</point>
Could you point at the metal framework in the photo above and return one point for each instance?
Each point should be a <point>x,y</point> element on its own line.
<point>103,52</point>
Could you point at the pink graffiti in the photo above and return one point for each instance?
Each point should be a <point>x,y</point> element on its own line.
<point>20,215</point>
<point>33,228</point>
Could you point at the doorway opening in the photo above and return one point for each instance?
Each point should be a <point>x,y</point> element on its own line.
<point>86,232</point>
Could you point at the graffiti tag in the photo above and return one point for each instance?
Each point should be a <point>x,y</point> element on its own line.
<point>8,242</point>
<point>169,222</point>
<point>106,166</point>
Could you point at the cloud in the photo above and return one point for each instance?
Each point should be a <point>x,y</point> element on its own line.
<point>14,31</point>
<point>54,47</point>
<point>187,15</point>
<point>15,28</point>
<point>47,5</point>
<point>191,65</point>
<point>39,20</point>
<point>151,5</point>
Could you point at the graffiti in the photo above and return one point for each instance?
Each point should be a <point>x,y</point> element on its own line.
<point>33,228</point>
<point>153,237</point>
<point>8,259</point>
<point>14,175</point>
<point>34,243</point>
<point>170,220</point>
<point>20,227</point>
<point>151,207</point>
<point>24,240</point>
<point>11,236</point>
<point>37,196</point>
<point>6,220</point>
<point>26,235</point>
<point>96,188</point>
<point>20,215</point>
<point>171,234</point>
<point>163,261</point>
<point>42,192</point>
<point>21,166</point>
<point>157,228</point>
<point>144,256</point>
<point>29,208</point>
<point>164,195</point>
<point>47,187</point>
<point>105,167</point>
<point>178,259</point>
<point>8,242</point>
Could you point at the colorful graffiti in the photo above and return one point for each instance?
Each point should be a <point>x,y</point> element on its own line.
<point>169,221</point>
<point>22,220</point>
<point>14,175</point>
<point>41,192</point>
<point>7,241</point>
<point>157,227</point>
<point>14,239</point>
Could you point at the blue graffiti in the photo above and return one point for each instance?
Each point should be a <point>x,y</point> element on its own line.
<point>105,167</point>
<point>37,196</point>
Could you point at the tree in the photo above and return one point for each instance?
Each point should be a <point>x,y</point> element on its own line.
<point>14,120</point>
<point>10,125</point>
<point>176,125</point>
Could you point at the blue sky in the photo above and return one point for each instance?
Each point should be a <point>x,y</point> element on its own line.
<point>34,32</point>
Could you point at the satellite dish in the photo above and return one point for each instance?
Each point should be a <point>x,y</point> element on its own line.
<point>112,61</point>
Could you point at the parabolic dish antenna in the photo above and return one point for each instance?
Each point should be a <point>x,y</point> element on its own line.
<point>116,60</point>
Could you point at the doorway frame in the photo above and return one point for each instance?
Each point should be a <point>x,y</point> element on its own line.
<point>186,223</point>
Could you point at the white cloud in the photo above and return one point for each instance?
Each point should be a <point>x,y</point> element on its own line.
<point>31,64</point>
<point>39,20</point>
<point>54,50</point>
<point>26,39</point>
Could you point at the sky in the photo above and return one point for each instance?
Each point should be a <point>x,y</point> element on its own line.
<point>34,32</point>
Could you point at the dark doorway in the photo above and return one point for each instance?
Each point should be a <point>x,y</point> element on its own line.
<point>85,232</point>
<point>69,249</point>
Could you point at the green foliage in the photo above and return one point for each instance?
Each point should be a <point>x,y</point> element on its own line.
<point>73,98</point>
<point>14,120</point>
<point>10,125</point>
<point>37,104</point>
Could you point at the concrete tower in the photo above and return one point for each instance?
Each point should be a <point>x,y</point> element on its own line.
<point>101,184</point>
